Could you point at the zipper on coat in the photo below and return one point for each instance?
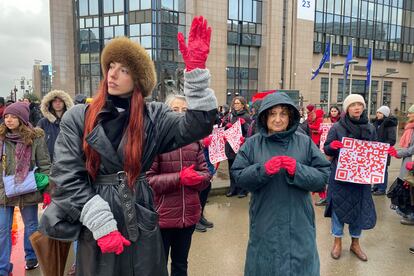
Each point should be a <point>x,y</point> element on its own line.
<point>182,186</point>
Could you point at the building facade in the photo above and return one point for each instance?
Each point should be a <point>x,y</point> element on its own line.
<point>42,80</point>
<point>256,45</point>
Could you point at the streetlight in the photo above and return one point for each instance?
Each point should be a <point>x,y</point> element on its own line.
<point>382,76</point>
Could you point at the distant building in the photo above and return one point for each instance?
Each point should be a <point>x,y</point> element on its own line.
<point>42,81</point>
<point>256,45</point>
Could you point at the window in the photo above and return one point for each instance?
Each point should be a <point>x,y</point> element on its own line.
<point>324,93</point>
<point>386,93</point>
<point>403,96</point>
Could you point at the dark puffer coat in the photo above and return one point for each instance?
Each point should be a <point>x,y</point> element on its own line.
<point>178,206</point>
<point>351,202</point>
<point>387,131</point>
<point>282,220</point>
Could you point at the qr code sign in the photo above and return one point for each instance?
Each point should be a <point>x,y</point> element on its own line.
<point>324,129</point>
<point>362,162</point>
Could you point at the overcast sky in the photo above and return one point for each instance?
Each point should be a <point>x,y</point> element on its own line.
<point>24,37</point>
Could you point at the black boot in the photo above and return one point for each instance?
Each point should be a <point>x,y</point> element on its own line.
<point>200,228</point>
<point>205,222</point>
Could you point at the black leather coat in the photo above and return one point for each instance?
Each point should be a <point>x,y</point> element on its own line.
<point>136,219</point>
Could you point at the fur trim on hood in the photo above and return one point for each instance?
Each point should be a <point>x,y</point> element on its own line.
<point>47,101</point>
<point>133,56</point>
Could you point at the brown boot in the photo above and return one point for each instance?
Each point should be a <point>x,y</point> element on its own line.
<point>356,249</point>
<point>337,248</point>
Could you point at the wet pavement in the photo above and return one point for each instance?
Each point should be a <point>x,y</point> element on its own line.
<point>221,250</point>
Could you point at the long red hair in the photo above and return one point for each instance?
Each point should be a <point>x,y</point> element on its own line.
<point>134,134</point>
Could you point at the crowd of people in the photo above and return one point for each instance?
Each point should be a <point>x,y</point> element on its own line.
<point>128,180</point>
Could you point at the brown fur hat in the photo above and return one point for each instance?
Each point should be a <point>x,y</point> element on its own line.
<point>133,56</point>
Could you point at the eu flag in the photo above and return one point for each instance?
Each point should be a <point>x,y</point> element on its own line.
<point>325,58</point>
<point>348,59</point>
<point>369,65</point>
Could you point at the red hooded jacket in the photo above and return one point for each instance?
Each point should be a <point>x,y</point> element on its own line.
<point>178,206</point>
<point>315,125</point>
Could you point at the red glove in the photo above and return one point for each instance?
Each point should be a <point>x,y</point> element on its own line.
<point>273,165</point>
<point>392,152</point>
<point>195,54</point>
<point>189,177</point>
<point>289,164</point>
<point>336,144</point>
<point>114,242</point>
<point>207,141</point>
<point>242,121</point>
<point>46,200</point>
<point>409,166</point>
<point>229,125</point>
<point>242,140</point>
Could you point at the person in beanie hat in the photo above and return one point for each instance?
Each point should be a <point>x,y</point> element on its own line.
<point>348,202</point>
<point>406,153</point>
<point>310,117</point>
<point>23,149</point>
<point>386,126</point>
<point>104,149</point>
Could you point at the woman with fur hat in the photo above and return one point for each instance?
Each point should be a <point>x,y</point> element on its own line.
<point>23,149</point>
<point>104,149</point>
<point>54,104</point>
<point>348,202</point>
<point>386,126</point>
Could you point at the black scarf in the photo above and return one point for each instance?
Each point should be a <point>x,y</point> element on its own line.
<point>115,122</point>
<point>358,128</point>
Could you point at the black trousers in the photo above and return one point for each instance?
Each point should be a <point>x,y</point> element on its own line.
<point>233,188</point>
<point>203,197</point>
<point>179,241</point>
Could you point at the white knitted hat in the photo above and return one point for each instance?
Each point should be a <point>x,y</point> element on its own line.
<point>353,98</point>
<point>384,110</point>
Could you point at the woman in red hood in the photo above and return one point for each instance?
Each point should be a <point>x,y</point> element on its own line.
<point>315,125</point>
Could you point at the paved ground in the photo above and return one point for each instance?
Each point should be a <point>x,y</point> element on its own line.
<point>221,251</point>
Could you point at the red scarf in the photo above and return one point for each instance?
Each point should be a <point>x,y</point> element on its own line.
<point>406,137</point>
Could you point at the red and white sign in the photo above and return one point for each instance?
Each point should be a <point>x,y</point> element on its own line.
<point>362,162</point>
<point>233,136</point>
<point>324,129</point>
<point>216,150</point>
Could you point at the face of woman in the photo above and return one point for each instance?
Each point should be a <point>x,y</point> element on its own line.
<point>120,82</point>
<point>380,116</point>
<point>179,106</point>
<point>237,105</point>
<point>334,112</point>
<point>410,117</point>
<point>11,121</point>
<point>277,119</point>
<point>355,110</point>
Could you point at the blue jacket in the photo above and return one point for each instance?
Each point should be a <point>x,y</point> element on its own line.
<point>50,123</point>
<point>352,203</point>
<point>282,221</point>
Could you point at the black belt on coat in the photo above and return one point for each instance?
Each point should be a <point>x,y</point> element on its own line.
<point>127,198</point>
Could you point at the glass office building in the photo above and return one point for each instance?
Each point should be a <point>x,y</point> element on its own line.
<point>154,24</point>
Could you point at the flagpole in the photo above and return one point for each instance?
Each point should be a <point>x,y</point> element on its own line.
<point>350,78</point>
<point>330,71</point>
<point>370,85</point>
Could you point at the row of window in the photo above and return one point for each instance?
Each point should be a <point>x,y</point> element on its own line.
<point>360,87</point>
<point>245,10</point>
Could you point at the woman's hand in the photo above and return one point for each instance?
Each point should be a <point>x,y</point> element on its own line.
<point>46,200</point>
<point>196,52</point>
<point>336,145</point>
<point>392,152</point>
<point>113,242</point>
<point>189,177</point>
<point>273,165</point>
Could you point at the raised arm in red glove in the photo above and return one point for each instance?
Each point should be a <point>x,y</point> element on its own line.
<point>114,242</point>
<point>46,200</point>
<point>336,144</point>
<point>392,152</point>
<point>189,177</point>
<point>289,164</point>
<point>196,52</point>
<point>409,166</point>
<point>273,165</point>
